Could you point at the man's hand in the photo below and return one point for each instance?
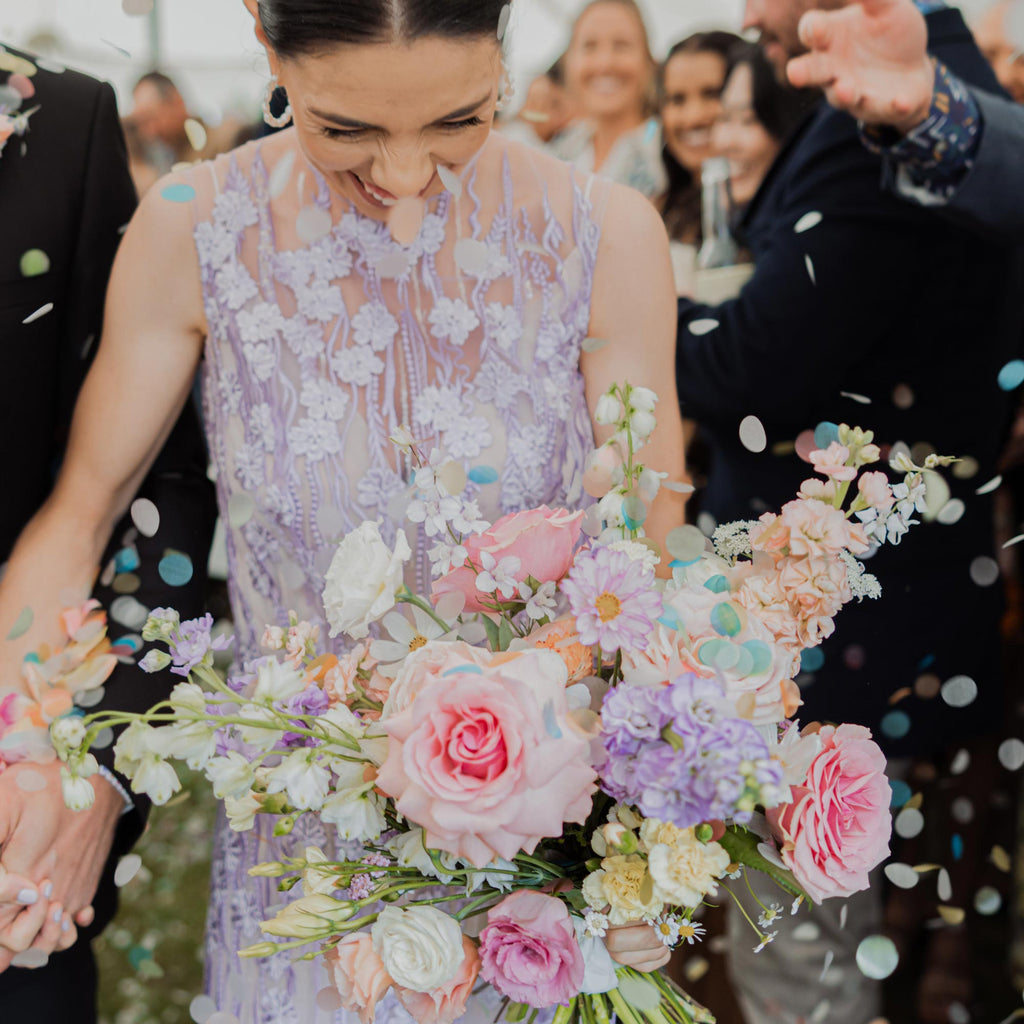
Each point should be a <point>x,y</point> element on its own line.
<point>637,946</point>
<point>40,839</point>
<point>871,58</point>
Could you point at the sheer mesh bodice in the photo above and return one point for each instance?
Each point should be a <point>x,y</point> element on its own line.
<point>325,335</point>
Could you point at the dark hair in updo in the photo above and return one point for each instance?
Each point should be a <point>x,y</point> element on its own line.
<point>295,28</point>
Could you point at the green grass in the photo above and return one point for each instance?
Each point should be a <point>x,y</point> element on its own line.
<point>151,956</point>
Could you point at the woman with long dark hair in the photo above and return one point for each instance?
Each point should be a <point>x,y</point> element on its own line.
<point>385,262</point>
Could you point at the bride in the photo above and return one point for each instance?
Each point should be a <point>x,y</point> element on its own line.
<point>385,261</point>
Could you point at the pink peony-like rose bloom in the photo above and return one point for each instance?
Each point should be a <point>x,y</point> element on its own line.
<point>543,539</point>
<point>817,588</point>
<point>529,952</point>
<point>817,529</point>
<point>430,662</point>
<point>837,828</point>
<point>445,1004</point>
<point>358,974</point>
<point>485,760</point>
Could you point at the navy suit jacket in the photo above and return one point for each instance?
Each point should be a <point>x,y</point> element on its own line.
<point>879,300</point>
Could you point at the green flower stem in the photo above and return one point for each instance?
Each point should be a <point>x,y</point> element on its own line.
<point>406,596</point>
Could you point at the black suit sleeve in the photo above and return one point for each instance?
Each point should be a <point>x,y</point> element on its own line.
<point>177,483</point>
<point>818,297</point>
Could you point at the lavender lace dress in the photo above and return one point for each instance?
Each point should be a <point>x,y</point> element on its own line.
<point>325,335</point>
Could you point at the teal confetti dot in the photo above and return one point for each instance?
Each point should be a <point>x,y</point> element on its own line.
<point>475,670</point>
<point>550,722</point>
<point>926,662</point>
<point>901,793</point>
<point>725,620</point>
<point>720,654</point>
<point>896,725</point>
<point>717,585</point>
<point>137,954</point>
<point>634,512</point>
<point>956,844</point>
<point>483,475</point>
<point>175,569</point>
<point>825,433</point>
<point>178,193</point>
<point>744,662</point>
<point>1011,376</point>
<point>762,655</point>
<point>670,619</point>
<point>812,660</point>
<point>126,560</point>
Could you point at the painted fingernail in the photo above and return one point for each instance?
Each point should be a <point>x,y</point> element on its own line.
<point>48,890</point>
<point>57,914</point>
<point>27,897</point>
<point>65,925</point>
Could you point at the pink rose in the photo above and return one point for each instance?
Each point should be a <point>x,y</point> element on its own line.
<point>832,462</point>
<point>875,490</point>
<point>425,665</point>
<point>445,1004</point>
<point>358,974</point>
<point>485,760</point>
<point>529,950</point>
<point>836,830</point>
<point>543,539</point>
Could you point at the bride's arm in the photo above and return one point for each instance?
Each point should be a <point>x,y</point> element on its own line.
<point>634,309</point>
<point>141,378</point>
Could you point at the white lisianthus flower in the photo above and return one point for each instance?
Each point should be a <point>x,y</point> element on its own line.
<point>421,947</point>
<point>362,580</point>
<point>315,879</point>
<point>68,733</point>
<point>308,917</point>
<point>77,792</point>
<point>356,812</point>
<point>242,812</point>
<point>598,966</point>
<point>341,719</point>
<point>231,775</point>
<point>155,661</point>
<point>156,779</point>
<point>277,681</point>
<point>188,697</point>
<point>609,410</point>
<point>305,782</point>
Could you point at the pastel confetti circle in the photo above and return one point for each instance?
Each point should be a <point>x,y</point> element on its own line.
<point>22,85</point>
<point>178,193</point>
<point>32,959</point>
<point>699,328</point>
<point>752,435</point>
<point>959,691</point>
<point>902,875</point>
<point>807,221</point>
<point>686,543</point>
<point>1011,754</point>
<point>127,868</point>
<point>877,957</point>
<point>22,624</point>
<point>900,793</point>
<point>145,516</point>
<point>895,725</point>
<point>1011,376</point>
<point>825,433</point>
<point>812,660</point>
<point>34,263</point>
<point>136,7</point>
<point>241,509</point>
<point>201,1008</point>
<point>483,475</point>
<point>909,823</point>
<point>987,901</point>
<point>984,571</point>
<point>328,1000</point>
<point>175,569</point>
<point>31,781</point>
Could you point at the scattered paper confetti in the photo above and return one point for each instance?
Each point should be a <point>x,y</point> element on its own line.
<point>137,7</point>
<point>685,543</point>
<point>702,327</point>
<point>952,915</point>
<point>1000,858</point>
<point>119,49</point>
<point>593,344</point>
<point>829,958</point>
<point>902,875</point>
<point>178,193</point>
<point>39,313</point>
<point>503,20</point>
<point>451,181</point>
<point>201,1008</point>
<point>127,868</point>
<point>1011,376</point>
<point>984,571</point>
<point>145,516</point>
<point>31,781</point>
<point>313,223</point>
<point>472,256</point>
<point>32,959</point>
<point>961,762</point>
<point>22,624</point>
<point>752,435</point>
<point>175,569</point>
<point>877,957</point>
<point>809,264</point>
<point>393,265</point>
<point>34,263</point>
<point>807,221</point>
<point>1011,754</point>
<point>281,174</point>
<point>854,397</point>
<point>959,691</point>
<point>241,508</point>
<point>944,887</point>
<point>328,1000</point>
<point>993,485</point>
<point>909,823</point>
<point>195,132</point>
<point>952,512</point>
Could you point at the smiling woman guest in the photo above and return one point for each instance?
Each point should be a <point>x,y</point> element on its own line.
<point>610,72</point>
<point>385,262</point>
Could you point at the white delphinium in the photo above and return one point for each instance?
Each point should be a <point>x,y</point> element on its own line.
<point>231,775</point>
<point>162,622</point>
<point>498,875</point>
<point>188,697</point>
<point>67,733</point>
<point>77,792</point>
<point>304,781</point>
<point>410,851</point>
<point>133,745</point>
<point>155,661</point>
<point>540,603</point>
<point>192,742</point>
<point>277,681</point>
<point>498,577</point>
<point>242,811</point>
<point>156,779</point>
<point>609,410</point>
<point>264,731</point>
<point>356,812</point>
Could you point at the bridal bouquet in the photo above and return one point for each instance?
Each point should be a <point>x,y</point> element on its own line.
<point>552,744</point>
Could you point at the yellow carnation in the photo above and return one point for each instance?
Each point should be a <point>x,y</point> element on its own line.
<point>687,870</point>
<point>620,886</point>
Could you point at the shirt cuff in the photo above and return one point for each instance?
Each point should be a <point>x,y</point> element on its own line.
<point>129,803</point>
<point>930,163</point>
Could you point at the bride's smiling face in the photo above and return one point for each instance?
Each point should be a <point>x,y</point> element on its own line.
<point>379,118</point>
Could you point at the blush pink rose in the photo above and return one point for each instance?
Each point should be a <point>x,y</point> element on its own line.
<point>837,828</point>
<point>445,1004</point>
<point>543,539</point>
<point>529,952</point>
<point>485,760</point>
<point>358,974</point>
<point>427,664</point>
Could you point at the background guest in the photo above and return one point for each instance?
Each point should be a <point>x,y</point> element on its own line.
<point>547,111</point>
<point>609,71</point>
<point>690,90</point>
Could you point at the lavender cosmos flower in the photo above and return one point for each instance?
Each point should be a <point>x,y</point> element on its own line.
<point>613,598</point>
<point>191,644</point>
<point>679,754</point>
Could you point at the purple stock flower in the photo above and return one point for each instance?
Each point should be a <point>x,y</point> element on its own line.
<point>311,701</point>
<point>191,644</point>
<point>613,598</point>
<point>679,754</point>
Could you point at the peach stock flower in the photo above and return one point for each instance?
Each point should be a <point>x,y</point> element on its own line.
<point>831,462</point>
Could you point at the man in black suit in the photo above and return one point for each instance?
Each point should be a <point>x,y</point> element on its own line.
<point>868,310</point>
<point>65,197</point>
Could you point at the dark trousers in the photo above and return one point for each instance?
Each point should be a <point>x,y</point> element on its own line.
<point>62,992</point>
